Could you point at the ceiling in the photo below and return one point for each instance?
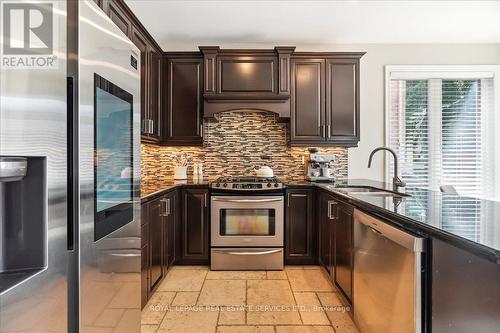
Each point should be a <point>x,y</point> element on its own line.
<point>183,25</point>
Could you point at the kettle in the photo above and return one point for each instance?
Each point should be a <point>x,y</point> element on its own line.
<point>264,171</point>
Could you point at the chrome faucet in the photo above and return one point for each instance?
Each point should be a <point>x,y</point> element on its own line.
<point>396,181</point>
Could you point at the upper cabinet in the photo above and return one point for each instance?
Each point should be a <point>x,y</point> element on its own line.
<point>117,14</point>
<point>342,101</point>
<point>153,94</point>
<point>183,112</point>
<point>246,79</point>
<point>325,99</point>
<point>307,100</point>
<point>247,75</point>
<point>151,55</point>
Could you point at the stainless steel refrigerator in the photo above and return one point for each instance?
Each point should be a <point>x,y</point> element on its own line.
<point>69,170</point>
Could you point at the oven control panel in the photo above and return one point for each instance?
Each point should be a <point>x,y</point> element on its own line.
<point>247,186</point>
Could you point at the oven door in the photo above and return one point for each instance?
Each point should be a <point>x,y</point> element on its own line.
<point>247,221</point>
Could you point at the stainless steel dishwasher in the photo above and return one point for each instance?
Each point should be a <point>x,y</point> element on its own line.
<point>387,277</point>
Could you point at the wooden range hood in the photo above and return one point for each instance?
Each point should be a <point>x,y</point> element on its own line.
<point>249,79</point>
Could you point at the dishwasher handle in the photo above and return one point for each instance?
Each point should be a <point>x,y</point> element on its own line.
<point>247,200</point>
<point>382,229</point>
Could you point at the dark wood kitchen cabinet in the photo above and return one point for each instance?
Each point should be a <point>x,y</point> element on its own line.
<point>150,86</point>
<point>151,55</point>
<point>117,13</point>
<point>325,99</point>
<point>325,228</point>
<point>336,241</point>
<point>158,237</point>
<point>153,95</point>
<point>183,123</point>
<point>307,100</point>
<point>343,248</point>
<point>300,228</point>
<point>171,215</point>
<point>246,73</point>
<point>342,101</point>
<point>144,254</point>
<point>195,227</point>
<point>156,224</point>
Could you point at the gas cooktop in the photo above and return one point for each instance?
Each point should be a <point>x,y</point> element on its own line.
<point>247,183</point>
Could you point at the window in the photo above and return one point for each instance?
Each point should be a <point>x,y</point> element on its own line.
<point>442,124</point>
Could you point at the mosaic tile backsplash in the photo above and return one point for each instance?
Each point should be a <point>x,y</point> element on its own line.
<point>233,146</point>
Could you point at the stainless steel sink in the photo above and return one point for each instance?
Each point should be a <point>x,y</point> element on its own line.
<point>360,189</point>
<point>369,191</point>
<point>381,194</point>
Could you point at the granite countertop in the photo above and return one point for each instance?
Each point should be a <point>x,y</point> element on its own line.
<point>471,222</point>
<point>468,222</point>
<point>153,188</point>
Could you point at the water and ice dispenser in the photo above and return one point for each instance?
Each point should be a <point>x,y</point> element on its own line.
<point>23,219</point>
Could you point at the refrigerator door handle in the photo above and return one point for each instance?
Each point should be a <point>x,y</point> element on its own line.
<point>72,201</point>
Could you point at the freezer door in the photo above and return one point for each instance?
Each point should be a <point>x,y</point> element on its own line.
<point>110,254</point>
<point>33,210</point>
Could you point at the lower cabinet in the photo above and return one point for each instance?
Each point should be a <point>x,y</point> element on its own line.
<point>195,226</point>
<point>336,241</point>
<point>325,228</point>
<point>343,248</point>
<point>144,254</point>
<point>158,218</point>
<point>156,224</point>
<point>300,227</point>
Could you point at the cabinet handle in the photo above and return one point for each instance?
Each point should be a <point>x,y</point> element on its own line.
<point>151,126</point>
<point>201,130</point>
<point>330,214</point>
<point>163,207</point>
<point>288,200</point>
<point>328,131</point>
<point>323,131</point>
<point>168,207</point>
<point>205,199</point>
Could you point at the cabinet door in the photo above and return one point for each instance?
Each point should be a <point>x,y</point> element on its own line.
<point>154,93</point>
<point>307,100</point>
<point>325,246</point>
<point>300,244</point>
<point>344,249</point>
<point>169,230</point>
<point>141,43</point>
<point>342,103</point>
<point>195,248</point>
<point>183,123</point>
<point>144,275</point>
<point>247,75</point>
<point>144,254</point>
<point>156,221</point>
<point>118,16</point>
<point>173,216</point>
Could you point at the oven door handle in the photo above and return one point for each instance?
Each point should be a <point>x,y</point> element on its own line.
<point>249,253</point>
<point>248,200</point>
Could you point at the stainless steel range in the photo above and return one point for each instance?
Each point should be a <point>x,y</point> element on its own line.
<point>247,216</point>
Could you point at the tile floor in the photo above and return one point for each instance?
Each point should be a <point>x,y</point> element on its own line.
<point>299,299</point>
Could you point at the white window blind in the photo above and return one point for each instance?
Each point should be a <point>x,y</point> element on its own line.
<point>442,125</point>
<point>439,128</point>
